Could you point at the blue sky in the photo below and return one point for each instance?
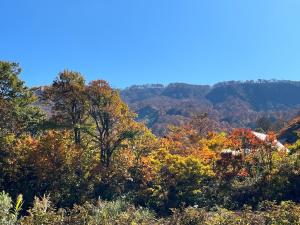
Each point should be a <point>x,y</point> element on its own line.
<point>152,41</point>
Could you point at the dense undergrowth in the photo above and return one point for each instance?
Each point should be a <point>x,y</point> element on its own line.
<point>121,213</point>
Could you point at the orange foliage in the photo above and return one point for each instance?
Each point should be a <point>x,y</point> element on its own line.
<point>243,139</point>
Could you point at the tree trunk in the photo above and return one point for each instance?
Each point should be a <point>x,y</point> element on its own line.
<point>77,135</point>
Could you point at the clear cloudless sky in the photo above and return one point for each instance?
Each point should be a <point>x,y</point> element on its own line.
<point>152,41</point>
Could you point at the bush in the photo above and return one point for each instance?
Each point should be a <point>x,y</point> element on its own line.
<point>285,213</point>
<point>188,216</point>
<point>102,212</point>
<point>114,212</point>
<point>9,212</point>
<point>44,213</point>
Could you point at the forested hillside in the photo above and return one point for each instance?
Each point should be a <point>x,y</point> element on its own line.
<point>235,104</point>
<point>88,161</point>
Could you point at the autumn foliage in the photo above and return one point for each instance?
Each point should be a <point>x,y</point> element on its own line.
<point>90,146</point>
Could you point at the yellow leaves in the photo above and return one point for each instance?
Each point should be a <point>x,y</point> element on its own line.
<point>49,154</point>
<point>183,155</point>
<point>19,203</point>
<point>214,141</point>
<point>181,167</point>
<point>184,167</point>
<point>124,159</point>
<point>8,139</point>
<point>295,148</point>
<point>176,175</point>
<point>189,144</point>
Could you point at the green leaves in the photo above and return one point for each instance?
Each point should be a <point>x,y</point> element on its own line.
<point>8,216</point>
<point>17,115</point>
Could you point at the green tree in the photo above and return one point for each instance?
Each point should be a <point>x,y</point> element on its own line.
<point>17,114</point>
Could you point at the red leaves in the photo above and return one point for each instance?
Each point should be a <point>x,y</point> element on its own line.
<point>243,139</point>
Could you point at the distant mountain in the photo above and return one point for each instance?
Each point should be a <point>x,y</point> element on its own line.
<point>233,103</point>
<point>261,95</point>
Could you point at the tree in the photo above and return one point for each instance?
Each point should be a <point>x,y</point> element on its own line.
<point>295,148</point>
<point>58,166</point>
<point>264,123</point>
<point>69,108</point>
<point>11,87</point>
<point>113,122</point>
<point>48,164</point>
<point>174,180</point>
<point>203,124</point>
<point>17,114</point>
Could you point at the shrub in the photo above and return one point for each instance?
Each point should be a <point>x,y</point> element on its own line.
<point>9,212</point>
<point>188,216</point>
<point>114,212</point>
<point>102,212</point>
<point>44,213</point>
<point>284,214</point>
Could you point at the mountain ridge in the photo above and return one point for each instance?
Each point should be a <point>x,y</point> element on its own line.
<point>237,103</point>
<point>231,103</point>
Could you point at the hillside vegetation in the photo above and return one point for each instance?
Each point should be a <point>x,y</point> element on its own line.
<point>89,161</point>
<point>235,104</point>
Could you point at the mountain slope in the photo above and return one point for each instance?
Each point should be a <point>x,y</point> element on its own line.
<point>289,134</point>
<point>237,104</point>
